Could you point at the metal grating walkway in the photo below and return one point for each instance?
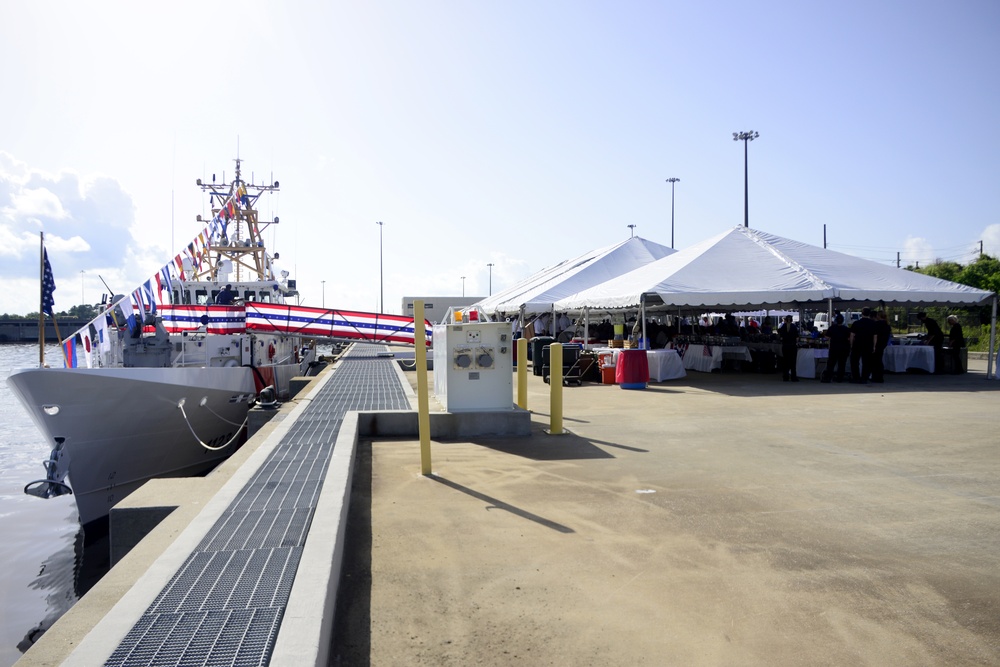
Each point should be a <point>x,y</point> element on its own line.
<point>224,606</point>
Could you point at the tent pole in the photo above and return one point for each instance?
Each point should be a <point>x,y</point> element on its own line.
<point>586,327</point>
<point>642,313</point>
<point>993,335</point>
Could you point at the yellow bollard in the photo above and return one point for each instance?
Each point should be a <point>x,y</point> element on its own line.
<point>423,408</point>
<point>555,388</point>
<point>522,373</point>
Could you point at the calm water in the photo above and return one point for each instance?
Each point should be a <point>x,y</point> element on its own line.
<point>41,544</point>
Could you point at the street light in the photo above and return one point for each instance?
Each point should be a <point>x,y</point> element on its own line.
<point>631,230</point>
<point>381,292</point>
<point>323,283</point>
<point>463,285</point>
<point>672,181</point>
<point>491,277</point>
<point>745,137</point>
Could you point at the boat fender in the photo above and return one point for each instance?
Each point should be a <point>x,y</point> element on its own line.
<point>270,351</point>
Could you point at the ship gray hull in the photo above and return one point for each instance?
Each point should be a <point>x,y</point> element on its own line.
<point>122,426</point>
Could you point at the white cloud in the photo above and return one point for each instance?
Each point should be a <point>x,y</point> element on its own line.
<point>87,221</point>
<point>991,240</point>
<point>917,250</point>
<point>34,203</point>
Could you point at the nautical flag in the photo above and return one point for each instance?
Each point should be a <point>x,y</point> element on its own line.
<point>69,352</point>
<point>48,285</point>
<point>103,341</point>
<point>126,305</point>
<point>87,348</point>
<point>164,281</point>
<point>180,267</point>
<point>148,296</point>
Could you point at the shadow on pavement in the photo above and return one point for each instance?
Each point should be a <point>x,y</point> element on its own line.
<point>493,503</point>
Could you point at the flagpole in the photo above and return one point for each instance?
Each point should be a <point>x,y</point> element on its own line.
<point>59,337</point>
<point>41,301</point>
<point>41,311</point>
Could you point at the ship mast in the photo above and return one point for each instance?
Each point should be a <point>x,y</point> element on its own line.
<point>241,240</point>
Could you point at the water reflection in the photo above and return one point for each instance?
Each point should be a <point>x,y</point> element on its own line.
<point>68,574</point>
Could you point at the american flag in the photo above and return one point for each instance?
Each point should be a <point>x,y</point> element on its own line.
<point>48,285</point>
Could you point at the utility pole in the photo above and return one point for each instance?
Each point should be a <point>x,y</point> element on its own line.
<point>631,229</point>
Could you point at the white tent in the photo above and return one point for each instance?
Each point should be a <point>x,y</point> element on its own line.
<point>744,268</point>
<point>748,268</point>
<point>538,292</point>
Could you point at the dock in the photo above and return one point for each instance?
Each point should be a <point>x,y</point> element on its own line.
<point>240,583</point>
<point>724,518</point>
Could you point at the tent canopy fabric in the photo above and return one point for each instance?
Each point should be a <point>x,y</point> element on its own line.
<point>538,292</point>
<point>744,267</point>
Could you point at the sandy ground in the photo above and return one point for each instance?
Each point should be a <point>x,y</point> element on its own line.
<point>722,519</point>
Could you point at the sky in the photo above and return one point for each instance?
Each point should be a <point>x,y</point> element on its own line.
<point>515,134</point>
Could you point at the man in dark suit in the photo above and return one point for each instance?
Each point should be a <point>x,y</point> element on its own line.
<point>862,347</point>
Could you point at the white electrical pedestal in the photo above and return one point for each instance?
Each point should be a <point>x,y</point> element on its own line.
<point>473,366</point>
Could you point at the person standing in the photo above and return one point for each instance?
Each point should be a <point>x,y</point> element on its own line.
<point>862,347</point>
<point>840,350</point>
<point>934,337</point>
<point>789,334</point>
<point>225,296</point>
<point>956,341</point>
<point>883,334</point>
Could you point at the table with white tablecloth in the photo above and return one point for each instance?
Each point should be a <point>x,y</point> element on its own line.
<point>805,361</point>
<point>898,358</point>
<point>663,364</point>
<point>706,358</point>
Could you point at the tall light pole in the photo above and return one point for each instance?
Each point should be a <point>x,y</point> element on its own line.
<point>323,283</point>
<point>463,285</point>
<point>381,292</point>
<point>491,277</point>
<point>631,230</point>
<point>745,137</point>
<point>672,181</point>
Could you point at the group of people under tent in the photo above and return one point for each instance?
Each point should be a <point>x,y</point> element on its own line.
<point>863,345</point>
<point>660,331</point>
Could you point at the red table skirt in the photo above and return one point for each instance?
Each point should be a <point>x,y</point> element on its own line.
<point>632,368</point>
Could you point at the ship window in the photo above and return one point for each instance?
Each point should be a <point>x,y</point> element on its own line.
<point>202,297</point>
<point>249,295</point>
